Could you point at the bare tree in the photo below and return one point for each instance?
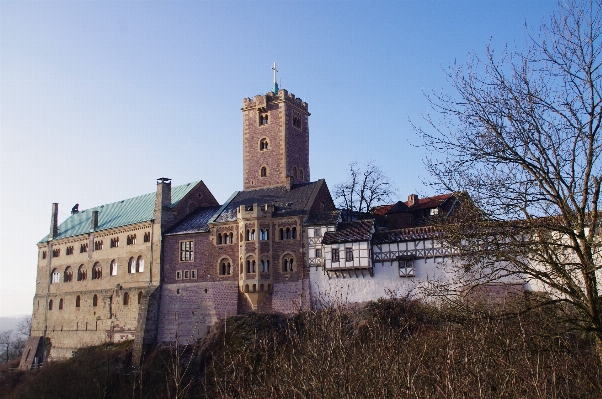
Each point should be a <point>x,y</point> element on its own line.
<point>364,189</point>
<point>521,135</point>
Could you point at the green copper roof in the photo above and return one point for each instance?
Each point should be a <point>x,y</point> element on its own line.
<point>117,214</point>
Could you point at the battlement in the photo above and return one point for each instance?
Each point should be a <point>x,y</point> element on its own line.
<point>261,101</point>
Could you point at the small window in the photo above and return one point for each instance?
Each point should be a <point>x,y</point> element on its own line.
<point>186,251</point>
<point>44,254</point>
<point>56,253</point>
<point>83,248</point>
<point>68,275</point>
<point>61,304</point>
<point>113,268</point>
<point>317,232</point>
<point>288,233</point>
<point>132,265</point>
<point>131,239</point>
<point>287,264</point>
<point>95,300</point>
<point>139,297</point>
<point>126,299</point>
<point>263,119</point>
<point>78,301</point>
<point>139,265</point>
<point>96,271</point>
<point>82,273</point>
<point>56,276</point>
<point>186,274</point>
<point>349,254</point>
<point>147,236</point>
<point>219,239</point>
<point>434,212</point>
<point>69,250</point>
<point>193,274</point>
<point>225,268</point>
<point>335,255</point>
<point>264,266</point>
<point>281,234</point>
<point>406,268</point>
<point>230,238</point>
<point>114,242</point>
<point>318,252</point>
<point>264,234</point>
<point>178,275</point>
<point>98,245</point>
<point>264,171</point>
<point>263,144</point>
<point>294,233</point>
<point>297,121</point>
<point>50,304</point>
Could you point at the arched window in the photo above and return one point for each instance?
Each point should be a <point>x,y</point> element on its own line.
<point>295,172</point>
<point>78,301</point>
<point>288,233</point>
<point>225,267</point>
<point>95,300</point>
<point>265,266</point>
<point>68,275</point>
<point>263,119</point>
<point>56,276</point>
<point>60,303</point>
<point>264,171</point>
<point>281,233</point>
<point>300,174</point>
<point>219,238</point>
<point>139,265</point>
<point>113,267</point>
<point>263,144</point>
<point>50,304</point>
<point>82,273</point>
<point>126,298</point>
<point>231,238</point>
<point>294,233</point>
<point>288,263</point>
<point>96,271</point>
<point>132,265</point>
<point>139,297</point>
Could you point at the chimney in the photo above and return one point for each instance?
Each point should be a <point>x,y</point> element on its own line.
<point>163,198</point>
<point>54,224</point>
<point>412,200</point>
<point>94,221</point>
<point>289,183</point>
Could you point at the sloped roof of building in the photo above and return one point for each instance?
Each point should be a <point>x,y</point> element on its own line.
<point>324,218</point>
<point>121,213</point>
<point>431,202</point>
<point>408,234</point>
<point>293,202</point>
<point>359,230</point>
<point>399,207</point>
<point>196,222</point>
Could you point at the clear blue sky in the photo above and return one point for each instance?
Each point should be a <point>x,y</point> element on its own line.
<point>100,98</point>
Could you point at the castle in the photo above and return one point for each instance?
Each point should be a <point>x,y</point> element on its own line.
<point>165,266</point>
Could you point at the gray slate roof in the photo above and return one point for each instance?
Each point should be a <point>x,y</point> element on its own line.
<point>359,230</point>
<point>295,201</point>
<point>408,234</point>
<point>197,222</point>
<point>121,213</point>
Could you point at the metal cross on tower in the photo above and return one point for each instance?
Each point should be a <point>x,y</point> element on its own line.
<point>275,89</point>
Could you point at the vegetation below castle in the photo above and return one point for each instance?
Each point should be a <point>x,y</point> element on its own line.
<point>388,348</point>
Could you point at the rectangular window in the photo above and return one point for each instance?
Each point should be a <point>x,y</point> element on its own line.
<point>114,242</point>
<point>186,251</point>
<point>98,245</point>
<point>178,275</point>
<point>186,274</point>
<point>83,248</point>
<point>56,253</point>
<point>434,211</point>
<point>348,254</point>
<point>406,268</point>
<point>335,255</point>
<point>43,254</point>
<point>147,236</point>
<point>193,274</point>
<point>318,253</point>
<point>317,232</point>
<point>69,250</point>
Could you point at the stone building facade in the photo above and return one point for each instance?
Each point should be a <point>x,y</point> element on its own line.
<point>168,265</point>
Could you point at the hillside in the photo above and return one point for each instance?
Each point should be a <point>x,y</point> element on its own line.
<point>388,348</point>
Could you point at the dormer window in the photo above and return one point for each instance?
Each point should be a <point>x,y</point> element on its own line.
<point>263,119</point>
<point>434,212</point>
<point>263,144</point>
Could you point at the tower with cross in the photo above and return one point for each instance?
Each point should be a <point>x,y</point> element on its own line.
<point>275,139</point>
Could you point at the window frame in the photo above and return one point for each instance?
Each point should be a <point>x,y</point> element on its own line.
<point>186,250</point>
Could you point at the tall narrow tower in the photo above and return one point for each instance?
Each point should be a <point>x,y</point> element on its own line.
<point>275,139</point>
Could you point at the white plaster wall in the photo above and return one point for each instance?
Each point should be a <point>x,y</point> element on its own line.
<point>385,283</point>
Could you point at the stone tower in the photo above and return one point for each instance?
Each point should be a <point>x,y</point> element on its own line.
<point>275,140</point>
